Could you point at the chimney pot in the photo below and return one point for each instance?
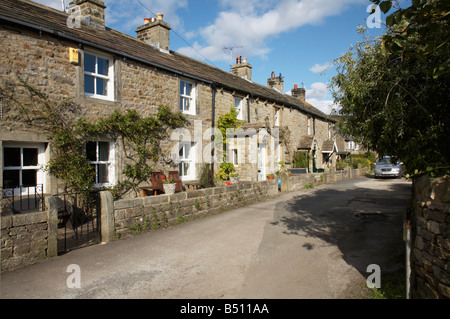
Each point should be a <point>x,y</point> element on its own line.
<point>155,32</point>
<point>272,75</point>
<point>295,86</point>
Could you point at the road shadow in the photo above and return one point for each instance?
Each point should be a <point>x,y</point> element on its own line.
<point>366,224</point>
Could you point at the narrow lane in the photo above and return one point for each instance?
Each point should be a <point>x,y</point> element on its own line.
<point>309,244</point>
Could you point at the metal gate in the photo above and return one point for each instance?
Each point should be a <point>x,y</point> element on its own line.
<point>78,221</point>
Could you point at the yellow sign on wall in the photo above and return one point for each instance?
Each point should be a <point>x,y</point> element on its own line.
<point>74,55</point>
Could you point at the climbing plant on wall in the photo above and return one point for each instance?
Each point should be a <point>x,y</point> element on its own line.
<point>68,131</point>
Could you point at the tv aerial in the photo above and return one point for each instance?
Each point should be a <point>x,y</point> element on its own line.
<point>231,51</point>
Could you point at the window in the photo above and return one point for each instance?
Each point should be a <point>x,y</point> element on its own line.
<point>234,157</point>
<point>98,76</point>
<point>238,108</point>
<point>187,97</point>
<point>277,117</point>
<point>186,166</point>
<point>309,125</point>
<point>22,165</point>
<point>101,156</point>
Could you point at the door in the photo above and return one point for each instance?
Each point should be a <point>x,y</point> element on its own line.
<point>261,162</point>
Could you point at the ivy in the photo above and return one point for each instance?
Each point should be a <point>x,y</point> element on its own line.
<point>227,121</point>
<point>140,136</point>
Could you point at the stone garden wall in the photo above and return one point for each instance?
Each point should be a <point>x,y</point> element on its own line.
<point>152,212</point>
<point>23,239</point>
<point>430,251</point>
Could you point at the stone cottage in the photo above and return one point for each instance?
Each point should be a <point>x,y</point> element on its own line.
<point>74,56</point>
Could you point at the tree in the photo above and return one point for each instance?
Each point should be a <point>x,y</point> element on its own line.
<point>393,90</point>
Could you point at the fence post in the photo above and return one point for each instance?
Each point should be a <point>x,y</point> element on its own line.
<point>107,216</point>
<point>52,224</point>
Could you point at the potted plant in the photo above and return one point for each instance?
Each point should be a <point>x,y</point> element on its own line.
<point>270,176</point>
<point>169,185</point>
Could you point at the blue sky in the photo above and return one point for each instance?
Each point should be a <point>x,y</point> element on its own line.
<point>296,38</point>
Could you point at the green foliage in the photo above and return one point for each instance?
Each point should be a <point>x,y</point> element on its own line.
<point>355,159</point>
<point>226,121</point>
<point>300,160</point>
<point>225,170</point>
<point>309,185</point>
<point>141,138</point>
<point>207,176</point>
<point>393,90</point>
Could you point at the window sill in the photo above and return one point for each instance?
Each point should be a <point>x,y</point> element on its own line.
<point>99,97</point>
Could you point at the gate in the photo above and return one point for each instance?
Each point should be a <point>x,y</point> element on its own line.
<point>78,221</point>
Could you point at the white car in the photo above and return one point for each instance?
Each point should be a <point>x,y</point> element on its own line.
<point>386,168</point>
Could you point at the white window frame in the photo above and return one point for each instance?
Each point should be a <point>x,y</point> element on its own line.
<point>110,163</point>
<point>40,178</point>
<point>109,78</point>
<point>189,159</point>
<point>234,156</point>
<point>184,97</point>
<point>277,117</point>
<point>238,108</point>
<point>309,125</point>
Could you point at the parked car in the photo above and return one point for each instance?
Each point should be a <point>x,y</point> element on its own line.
<point>387,167</point>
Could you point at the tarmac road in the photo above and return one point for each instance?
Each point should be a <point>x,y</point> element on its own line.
<point>315,243</point>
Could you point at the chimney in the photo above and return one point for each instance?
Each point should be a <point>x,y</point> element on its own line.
<point>242,68</point>
<point>276,83</point>
<point>92,12</point>
<point>299,93</point>
<point>156,32</point>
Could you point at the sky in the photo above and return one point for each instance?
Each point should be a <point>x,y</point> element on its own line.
<point>298,38</point>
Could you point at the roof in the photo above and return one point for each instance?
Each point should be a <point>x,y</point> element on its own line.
<point>306,142</point>
<point>45,19</point>
<point>328,146</point>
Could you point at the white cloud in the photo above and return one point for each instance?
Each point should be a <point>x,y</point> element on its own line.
<point>252,23</point>
<point>319,90</point>
<point>326,106</point>
<point>319,68</point>
<point>56,4</point>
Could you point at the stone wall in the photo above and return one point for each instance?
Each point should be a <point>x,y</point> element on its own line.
<point>23,239</point>
<point>152,212</point>
<point>298,182</point>
<point>430,250</point>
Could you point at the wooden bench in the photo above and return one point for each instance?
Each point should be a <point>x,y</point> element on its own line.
<point>157,185</point>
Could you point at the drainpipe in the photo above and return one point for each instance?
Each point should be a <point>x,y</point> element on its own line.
<point>213,122</point>
<point>408,256</point>
<point>248,110</point>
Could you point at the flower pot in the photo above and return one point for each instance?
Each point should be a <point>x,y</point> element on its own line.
<point>270,177</point>
<point>169,189</point>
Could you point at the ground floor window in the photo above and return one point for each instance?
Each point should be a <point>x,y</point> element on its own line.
<point>186,165</point>
<point>101,156</point>
<point>22,165</point>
